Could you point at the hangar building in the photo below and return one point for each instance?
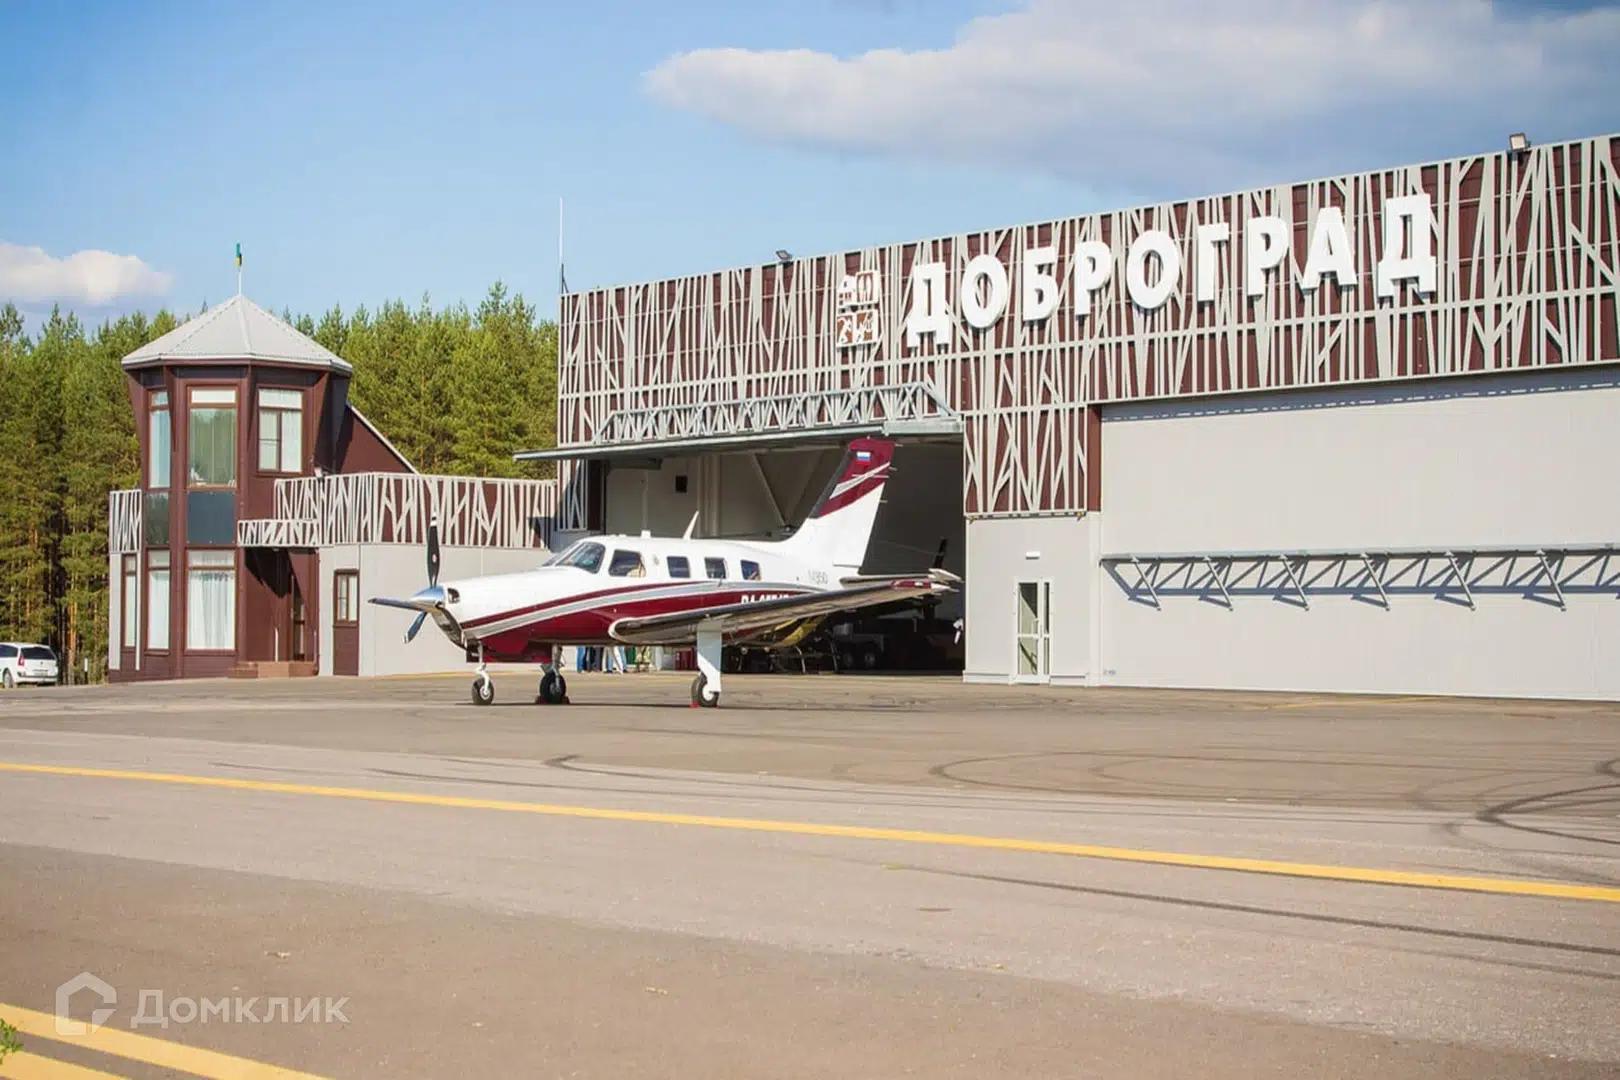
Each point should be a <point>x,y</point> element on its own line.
<point>1353,434</point>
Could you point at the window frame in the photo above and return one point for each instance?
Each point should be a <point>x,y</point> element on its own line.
<point>236,432</point>
<point>129,603</point>
<point>710,562</point>
<point>158,561</point>
<point>279,412</point>
<point>157,404</point>
<point>221,568</point>
<point>351,578</point>
<point>681,562</point>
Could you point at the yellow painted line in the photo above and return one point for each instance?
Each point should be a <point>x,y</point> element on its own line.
<point>1352,703</point>
<point>26,1066</point>
<point>191,1060</point>
<point>1417,879</point>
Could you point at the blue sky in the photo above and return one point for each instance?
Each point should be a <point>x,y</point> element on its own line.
<point>368,151</point>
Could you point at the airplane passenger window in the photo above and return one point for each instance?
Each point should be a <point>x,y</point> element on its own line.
<point>750,570</point>
<point>679,567</point>
<point>715,568</point>
<point>585,555</point>
<point>626,564</point>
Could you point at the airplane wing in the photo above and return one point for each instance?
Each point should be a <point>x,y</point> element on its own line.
<point>732,620</point>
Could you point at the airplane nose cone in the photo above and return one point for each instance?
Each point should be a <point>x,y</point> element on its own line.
<point>433,594</point>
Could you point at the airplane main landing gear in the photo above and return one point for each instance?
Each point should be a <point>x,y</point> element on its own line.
<point>706,687</point>
<point>553,689</point>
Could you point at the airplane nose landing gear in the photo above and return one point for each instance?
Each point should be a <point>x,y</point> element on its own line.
<point>483,687</point>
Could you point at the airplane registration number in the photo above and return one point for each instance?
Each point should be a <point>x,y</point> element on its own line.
<point>754,598</point>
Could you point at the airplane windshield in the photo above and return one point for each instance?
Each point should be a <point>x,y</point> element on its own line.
<point>584,554</point>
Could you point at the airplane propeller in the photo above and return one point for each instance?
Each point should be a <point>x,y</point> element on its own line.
<point>433,576</point>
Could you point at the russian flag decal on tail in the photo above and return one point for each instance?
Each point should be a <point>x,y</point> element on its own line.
<point>863,455</point>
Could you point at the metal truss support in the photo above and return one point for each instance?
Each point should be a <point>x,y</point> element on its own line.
<point>1299,586</point>
<point>1462,579</point>
<point>1377,578</point>
<point>1146,581</point>
<point>1552,577</point>
<point>1219,581</point>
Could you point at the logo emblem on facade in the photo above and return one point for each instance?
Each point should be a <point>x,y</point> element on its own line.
<point>859,296</point>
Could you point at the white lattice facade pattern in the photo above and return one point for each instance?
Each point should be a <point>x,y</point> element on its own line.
<point>124,520</point>
<point>395,508</point>
<point>1526,254</point>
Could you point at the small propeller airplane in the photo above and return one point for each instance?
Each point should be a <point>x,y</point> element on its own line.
<point>645,590</point>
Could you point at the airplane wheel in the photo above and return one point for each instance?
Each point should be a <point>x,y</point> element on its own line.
<point>553,689</point>
<point>483,691</point>
<point>701,699</point>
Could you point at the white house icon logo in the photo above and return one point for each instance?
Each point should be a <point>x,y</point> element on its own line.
<point>65,1024</point>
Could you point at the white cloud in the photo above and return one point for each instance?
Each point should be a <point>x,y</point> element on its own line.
<point>95,278</point>
<point>1186,94</point>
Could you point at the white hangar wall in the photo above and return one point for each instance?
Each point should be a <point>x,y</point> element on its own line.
<point>1458,464</point>
<point>400,570</point>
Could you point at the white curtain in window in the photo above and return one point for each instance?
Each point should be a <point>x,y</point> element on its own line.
<point>211,600</point>
<point>159,446</point>
<point>292,439</point>
<point>157,609</point>
<point>130,583</point>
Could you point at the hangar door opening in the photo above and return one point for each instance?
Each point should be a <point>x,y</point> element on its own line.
<point>765,494</point>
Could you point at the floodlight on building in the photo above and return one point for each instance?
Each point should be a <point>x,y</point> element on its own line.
<point>1518,142</point>
<point>784,255</point>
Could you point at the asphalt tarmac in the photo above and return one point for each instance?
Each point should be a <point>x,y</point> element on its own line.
<point>828,876</point>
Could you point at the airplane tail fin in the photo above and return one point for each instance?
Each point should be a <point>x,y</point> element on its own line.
<point>839,526</point>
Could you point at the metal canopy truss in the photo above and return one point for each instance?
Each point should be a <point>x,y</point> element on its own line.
<point>1545,573</point>
<point>783,412</point>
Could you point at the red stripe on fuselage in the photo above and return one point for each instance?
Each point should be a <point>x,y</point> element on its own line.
<point>545,605</point>
<point>589,627</point>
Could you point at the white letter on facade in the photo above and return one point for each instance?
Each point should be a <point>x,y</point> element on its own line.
<point>1040,288</point>
<point>1330,251</point>
<point>982,314</point>
<point>1265,243</point>
<point>1205,270</point>
<point>927,317</point>
<point>1153,242</point>
<point>1400,264</point>
<point>1093,266</point>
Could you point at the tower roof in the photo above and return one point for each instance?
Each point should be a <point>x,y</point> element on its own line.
<point>238,329</point>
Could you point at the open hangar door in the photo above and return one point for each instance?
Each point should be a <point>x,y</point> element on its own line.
<point>765,491</point>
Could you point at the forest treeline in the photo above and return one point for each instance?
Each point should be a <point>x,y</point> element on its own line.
<point>456,390</point>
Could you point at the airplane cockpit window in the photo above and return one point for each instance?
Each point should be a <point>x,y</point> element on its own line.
<point>626,564</point>
<point>750,570</point>
<point>584,554</point>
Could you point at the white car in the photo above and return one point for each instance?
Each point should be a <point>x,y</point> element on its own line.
<point>21,662</point>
